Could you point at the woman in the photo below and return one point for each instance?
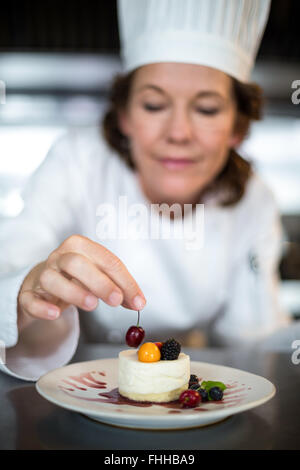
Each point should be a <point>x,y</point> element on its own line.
<point>170,137</point>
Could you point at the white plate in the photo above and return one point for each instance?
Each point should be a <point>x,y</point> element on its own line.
<point>80,387</point>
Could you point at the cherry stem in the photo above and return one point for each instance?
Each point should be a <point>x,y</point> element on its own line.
<point>138,318</point>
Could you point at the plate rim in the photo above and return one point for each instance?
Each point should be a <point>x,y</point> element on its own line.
<point>221,413</point>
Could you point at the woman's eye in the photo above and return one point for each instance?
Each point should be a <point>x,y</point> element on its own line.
<point>151,107</point>
<point>208,111</point>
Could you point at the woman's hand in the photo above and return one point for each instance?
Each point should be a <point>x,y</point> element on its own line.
<point>79,272</point>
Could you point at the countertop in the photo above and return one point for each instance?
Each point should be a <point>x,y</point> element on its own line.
<point>28,421</point>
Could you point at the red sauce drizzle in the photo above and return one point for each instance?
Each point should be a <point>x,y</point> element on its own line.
<point>230,397</point>
<point>87,379</point>
<point>66,389</point>
<point>73,385</point>
<point>230,392</point>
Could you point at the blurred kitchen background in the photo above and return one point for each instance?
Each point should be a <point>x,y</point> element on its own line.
<point>56,63</point>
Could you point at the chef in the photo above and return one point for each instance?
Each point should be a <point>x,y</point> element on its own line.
<point>154,210</point>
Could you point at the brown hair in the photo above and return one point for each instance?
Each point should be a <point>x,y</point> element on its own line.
<point>232,180</point>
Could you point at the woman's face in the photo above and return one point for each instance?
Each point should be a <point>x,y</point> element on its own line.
<point>180,123</point>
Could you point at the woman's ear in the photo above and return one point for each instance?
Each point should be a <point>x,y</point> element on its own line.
<point>235,140</point>
<point>240,130</point>
<point>123,122</point>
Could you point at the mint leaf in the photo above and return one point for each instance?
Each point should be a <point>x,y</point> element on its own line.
<point>207,385</point>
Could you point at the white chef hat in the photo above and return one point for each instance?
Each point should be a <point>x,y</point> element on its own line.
<point>224,34</point>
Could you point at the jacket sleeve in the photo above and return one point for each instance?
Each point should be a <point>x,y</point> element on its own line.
<point>49,215</point>
<point>253,311</point>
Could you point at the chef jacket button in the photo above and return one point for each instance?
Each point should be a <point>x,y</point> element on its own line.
<point>253,261</point>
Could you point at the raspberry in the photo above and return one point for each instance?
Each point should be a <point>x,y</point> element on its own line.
<point>189,398</point>
<point>170,350</point>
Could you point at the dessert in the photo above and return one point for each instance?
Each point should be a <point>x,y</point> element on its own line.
<point>153,374</point>
<point>160,373</point>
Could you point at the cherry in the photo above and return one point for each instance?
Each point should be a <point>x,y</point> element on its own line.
<point>135,334</point>
<point>190,398</point>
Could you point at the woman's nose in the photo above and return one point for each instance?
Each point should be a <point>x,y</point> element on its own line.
<point>179,127</point>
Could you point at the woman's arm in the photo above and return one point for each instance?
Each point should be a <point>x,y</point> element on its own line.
<point>77,271</point>
<point>48,216</point>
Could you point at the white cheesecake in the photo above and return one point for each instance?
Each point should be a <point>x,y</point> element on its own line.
<point>160,382</point>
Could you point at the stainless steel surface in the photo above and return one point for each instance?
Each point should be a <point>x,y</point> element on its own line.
<point>27,421</point>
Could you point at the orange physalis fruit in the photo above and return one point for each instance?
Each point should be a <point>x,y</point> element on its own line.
<point>149,352</point>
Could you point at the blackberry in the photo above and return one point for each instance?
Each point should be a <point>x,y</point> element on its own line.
<point>215,393</point>
<point>194,386</point>
<point>193,380</point>
<point>170,350</point>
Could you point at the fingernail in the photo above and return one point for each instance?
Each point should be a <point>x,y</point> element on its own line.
<point>91,301</point>
<point>53,313</point>
<point>115,298</point>
<point>139,302</point>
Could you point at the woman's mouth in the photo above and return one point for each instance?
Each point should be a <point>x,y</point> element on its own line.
<point>176,163</point>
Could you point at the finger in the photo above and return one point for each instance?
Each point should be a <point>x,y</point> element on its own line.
<point>67,291</point>
<point>37,307</point>
<point>117,271</point>
<point>90,277</point>
<point>51,299</point>
<point>112,266</point>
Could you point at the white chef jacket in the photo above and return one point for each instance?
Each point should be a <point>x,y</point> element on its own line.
<point>227,288</point>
